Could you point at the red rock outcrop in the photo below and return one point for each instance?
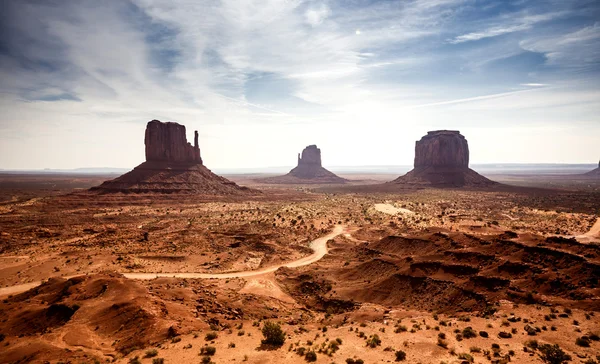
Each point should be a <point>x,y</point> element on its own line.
<point>308,170</point>
<point>442,148</point>
<point>172,166</point>
<point>167,142</point>
<point>442,159</point>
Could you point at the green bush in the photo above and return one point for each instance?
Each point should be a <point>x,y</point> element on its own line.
<point>310,356</point>
<point>469,333</point>
<point>374,341</point>
<point>553,354</point>
<point>465,356</point>
<point>151,353</point>
<point>273,334</point>
<point>208,350</point>
<point>211,336</point>
<point>583,341</point>
<point>400,355</point>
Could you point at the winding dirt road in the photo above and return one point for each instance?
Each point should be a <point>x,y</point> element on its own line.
<point>319,247</point>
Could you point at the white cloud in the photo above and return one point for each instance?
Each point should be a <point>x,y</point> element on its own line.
<point>508,26</point>
<point>317,14</point>
<point>197,63</point>
<point>577,49</point>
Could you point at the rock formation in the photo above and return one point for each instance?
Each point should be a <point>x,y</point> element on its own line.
<point>172,165</point>
<point>594,173</point>
<point>308,170</point>
<point>167,142</point>
<point>442,158</point>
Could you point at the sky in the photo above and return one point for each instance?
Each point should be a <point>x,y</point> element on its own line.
<point>262,79</point>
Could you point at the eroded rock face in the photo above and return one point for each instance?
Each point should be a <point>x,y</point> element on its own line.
<point>442,148</point>
<point>167,142</point>
<point>311,155</point>
<point>442,159</point>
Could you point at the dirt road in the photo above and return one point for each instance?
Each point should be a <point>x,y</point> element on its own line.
<point>319,247</point>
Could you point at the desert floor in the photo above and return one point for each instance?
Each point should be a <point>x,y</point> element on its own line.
<point>443,275</point>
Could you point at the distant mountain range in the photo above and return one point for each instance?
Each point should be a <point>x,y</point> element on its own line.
<point>484,168</point>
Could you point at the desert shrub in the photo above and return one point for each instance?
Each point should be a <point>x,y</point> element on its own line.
<point>151,353</point>
<point>531,344</point>
<point>310,356</point>
<point>553,354</point>
<point>374,341</point>
<point>208,350</point>
<point>231,345</point>
<point>483,334</point>
<point>176,339</point>
<point>134,360</point>
<point>206,360</point>
<point>400,355</point>
<point>504,335</point>
<point>469,333</point>
<point>442,343</point>
<point>211,336</point>
<point>400,328</point>
<point>158,361</point>
<point>475,349</point>
<point>441,335</point>
<point>465,356</point>
<point>352,361</point>
<point>273,334</point>
<point>583,341</point>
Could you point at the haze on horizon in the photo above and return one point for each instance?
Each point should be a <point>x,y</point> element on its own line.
<point>262,79</point>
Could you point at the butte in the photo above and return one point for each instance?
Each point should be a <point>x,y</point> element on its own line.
<point>442,159</point>
<point>308,170</point>
<point>172,165</point>
<point>594,173</point>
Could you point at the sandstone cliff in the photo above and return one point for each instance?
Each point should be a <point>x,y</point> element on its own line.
<point>168,142</point>
<point>172,165</point>
<point>442,159</point>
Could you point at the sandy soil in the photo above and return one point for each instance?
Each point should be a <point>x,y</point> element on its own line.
<point>407,265</point>
<point>390,209</point>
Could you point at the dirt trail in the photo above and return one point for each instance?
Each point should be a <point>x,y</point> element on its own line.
<point>319,247</point>
<point>390,209</point>
<point>593,235</point>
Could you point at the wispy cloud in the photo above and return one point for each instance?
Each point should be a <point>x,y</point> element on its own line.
<point>511,26</point>
<point>74,68</point>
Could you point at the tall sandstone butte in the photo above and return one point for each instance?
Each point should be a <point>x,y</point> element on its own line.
<point>308,170</point>
<point>168,142</point>
<point>442,159</point>
<point>442,148</point>
<point>172,165</point>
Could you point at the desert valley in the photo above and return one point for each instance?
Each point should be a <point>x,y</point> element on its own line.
<point>171,263</point>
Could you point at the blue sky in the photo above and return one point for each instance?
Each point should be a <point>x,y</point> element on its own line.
<point>261,79</point>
